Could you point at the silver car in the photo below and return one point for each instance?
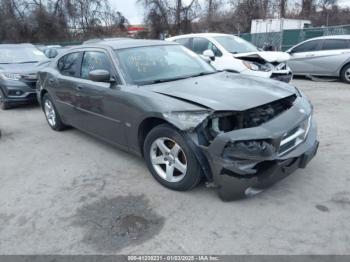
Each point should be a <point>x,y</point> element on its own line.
<point>322,56</point>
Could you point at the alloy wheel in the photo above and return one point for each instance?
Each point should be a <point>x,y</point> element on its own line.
<point>168,159</point>
<point>347,74</point>
<point>1,98</point>
<point>50,112</point>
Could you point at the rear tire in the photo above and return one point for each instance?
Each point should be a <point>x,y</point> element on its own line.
<point>345,74</point>
<point>3,104</point>
<point>51,114</point>
<point>170,159</point>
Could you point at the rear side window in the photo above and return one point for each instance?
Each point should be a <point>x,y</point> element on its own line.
<point>333,44</point>
<point>94,61</point>
<point>309,46</point>
<point>69,64</point>
<point>184,41</point>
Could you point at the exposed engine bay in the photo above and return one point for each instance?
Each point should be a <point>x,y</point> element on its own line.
<point>222,122</point>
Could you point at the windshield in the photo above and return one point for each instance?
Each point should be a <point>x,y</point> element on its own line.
<point>152,64</point>
<point>20,54</point>
<point>235,45</point>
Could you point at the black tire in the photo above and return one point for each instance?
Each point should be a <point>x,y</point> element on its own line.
<point>58,125</point>
<point>345,74</point>
<point>193,174</point>
<point>3,105</point>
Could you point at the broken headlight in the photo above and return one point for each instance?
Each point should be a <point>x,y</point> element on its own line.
<point>250,149</point>
<point>186,119</point>
<point>257,66</point>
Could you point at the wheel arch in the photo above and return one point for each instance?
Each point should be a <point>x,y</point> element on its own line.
<point>347,63</point>
<point>41,96</point>
<point>146,126</point>
<point>151,122</point>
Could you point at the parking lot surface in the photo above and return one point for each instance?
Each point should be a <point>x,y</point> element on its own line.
<point>69,193</point>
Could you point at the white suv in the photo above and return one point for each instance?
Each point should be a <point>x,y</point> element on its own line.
<point>232,53</point>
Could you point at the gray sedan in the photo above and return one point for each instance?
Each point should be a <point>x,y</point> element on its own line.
<point>189,122</point>
<point>322,56</point>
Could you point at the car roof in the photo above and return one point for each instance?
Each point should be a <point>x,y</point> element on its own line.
<point>199,34</point>
<point>127,43</point>
<point>97,40</point>
<point>53,46</point>
<point>331,37</point>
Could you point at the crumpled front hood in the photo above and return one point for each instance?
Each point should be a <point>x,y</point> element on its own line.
<point>269,56</point>
<point>225,91</point>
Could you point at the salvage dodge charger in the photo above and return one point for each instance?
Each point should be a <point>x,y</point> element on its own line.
<point>188,121</point>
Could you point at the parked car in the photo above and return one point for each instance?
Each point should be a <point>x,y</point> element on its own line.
<point>233,53</point>
<point>322,56</point>
<point>96,40</point>
<point>53,51</point>
<point>161,101</point>
<point>40,47</point>
<point>19,64</point>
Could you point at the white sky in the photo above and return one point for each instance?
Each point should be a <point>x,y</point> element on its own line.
<point>130,9</point>
<point>134,12</point>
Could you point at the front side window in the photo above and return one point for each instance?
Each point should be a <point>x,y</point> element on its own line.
<point>334,44</point>
<point>200,45</point>
<point>94,61</point>
<point>151,64</point>
<point>69,64</point>
<point>309,46</point>
<point>216,50</point>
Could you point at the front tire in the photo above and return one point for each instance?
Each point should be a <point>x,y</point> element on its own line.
<point>345,74</point>
<point>3,104</point>
<point>170,160</point>
<point>51,114</point>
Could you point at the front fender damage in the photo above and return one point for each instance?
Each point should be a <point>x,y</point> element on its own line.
<point>245,152</point>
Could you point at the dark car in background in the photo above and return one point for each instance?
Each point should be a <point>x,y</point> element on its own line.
<point>19,64</point>
<point>161,101</point>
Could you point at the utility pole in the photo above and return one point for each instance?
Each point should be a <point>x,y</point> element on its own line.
<point>283,8</point>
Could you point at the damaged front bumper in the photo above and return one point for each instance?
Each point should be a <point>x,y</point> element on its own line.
<point>241,174</point>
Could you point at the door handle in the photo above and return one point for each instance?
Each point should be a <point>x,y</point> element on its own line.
<point>79,87</point>
<point>51,81</point>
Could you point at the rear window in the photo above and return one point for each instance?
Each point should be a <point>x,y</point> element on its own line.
<point>333,44</point>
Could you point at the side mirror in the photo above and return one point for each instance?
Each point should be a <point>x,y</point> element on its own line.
<point>206,59</point>
<point>290,51</point>
<point>210,54</point>
<point>100,76</point>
